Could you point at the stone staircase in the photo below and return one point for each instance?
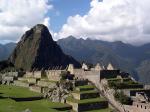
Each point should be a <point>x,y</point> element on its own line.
<point>85,97</point>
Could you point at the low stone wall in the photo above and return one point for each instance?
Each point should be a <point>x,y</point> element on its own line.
<point>133,92</point>
<point>74,105</point>
<point>27,98</point>
<point>54,75</point>
<point>84,89</point>
<point>21,84</point>
<point>88,106</point>
<point>37,74</point>
<point>79,96</point>
<point>36,88</point>
<point>46,84</point>
<point>8,78</point>
<point>92,106</point>
<point>109,73</point>
<point>81,82</point>
<point>32,80</point>
<point>147,86</point>
<point>29,74</point>
<point>22,79</point>
<point>89,95</point>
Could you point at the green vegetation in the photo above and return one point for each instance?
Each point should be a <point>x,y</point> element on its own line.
<point>91,100</point>
<point>122,98</point>
<point>84,92</point>
<point>13,91</point>
<point>86,87</point>
<point>6,66</point>
<point>9,105</point>
<point>125,83</point>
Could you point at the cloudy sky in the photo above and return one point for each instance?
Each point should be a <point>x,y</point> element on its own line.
<point>108,20</point>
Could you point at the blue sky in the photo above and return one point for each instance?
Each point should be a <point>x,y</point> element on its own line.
<point>109,20</point>
<point>65,8</point>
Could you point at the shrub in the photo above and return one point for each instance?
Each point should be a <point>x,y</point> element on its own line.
<point>122,98</point>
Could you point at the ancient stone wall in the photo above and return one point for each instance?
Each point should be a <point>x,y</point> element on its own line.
<point>36,88</point>
<point>138,107</point>
<point>37,74</point>
<point>112,73</point>
<point>46,84</point>
<point>29,74</point>
<point>21,84</point>
<point>32,80</point>
<point>54,75</point>
<point>89,106</point>
<point>133,92</point>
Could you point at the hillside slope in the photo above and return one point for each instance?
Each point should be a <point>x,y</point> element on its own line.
<point>124,56</point>
<point>37,50</point>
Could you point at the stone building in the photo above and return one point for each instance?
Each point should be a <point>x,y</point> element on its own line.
<point>98,67</point>
<point>54,75</point>
<point>85,67</point>
<point>110,67</point>
<point>140,104</point>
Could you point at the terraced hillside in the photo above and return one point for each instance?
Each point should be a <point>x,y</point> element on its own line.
<point>8,104</point>
<point>85,97</point>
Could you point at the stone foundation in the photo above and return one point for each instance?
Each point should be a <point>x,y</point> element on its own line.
<point>32,80</point>
<point>79,96</point>
<point>21,84</point>
<point>88,106</point>
<point>36,88</point>
<point>46,84</point>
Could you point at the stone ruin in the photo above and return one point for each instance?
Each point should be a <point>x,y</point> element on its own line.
<point>46,82</point>
<point>140,103</point>
<point>8,77</point>
<point>110,67</point>
<point>85,67</point>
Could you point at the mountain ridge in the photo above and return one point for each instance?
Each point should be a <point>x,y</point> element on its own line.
<point>37,50</point>
<point>127,57</point>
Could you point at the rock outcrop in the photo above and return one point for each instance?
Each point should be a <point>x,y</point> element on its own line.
<point>37,50</point>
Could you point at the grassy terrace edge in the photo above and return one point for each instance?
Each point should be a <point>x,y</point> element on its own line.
<point>85,100</point>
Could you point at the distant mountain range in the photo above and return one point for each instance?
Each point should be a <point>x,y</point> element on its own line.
<point>133,59</point>
<point>6,50</point>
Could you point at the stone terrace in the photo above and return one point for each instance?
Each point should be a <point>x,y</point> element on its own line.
<point>86,98</point>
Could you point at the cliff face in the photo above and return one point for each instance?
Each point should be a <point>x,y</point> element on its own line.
<point>37,49</point>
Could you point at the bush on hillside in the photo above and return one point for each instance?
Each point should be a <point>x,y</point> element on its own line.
<point>122,98</point>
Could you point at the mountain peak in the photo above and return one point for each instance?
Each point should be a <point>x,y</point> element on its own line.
<point>39,31</point>
<point>40,27</point>
<point>38,50</point>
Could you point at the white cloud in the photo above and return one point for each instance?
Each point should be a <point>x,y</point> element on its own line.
<point>16,16</point>
<point>112,20</point>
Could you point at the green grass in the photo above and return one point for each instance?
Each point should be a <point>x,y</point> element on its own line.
<point>84,92</point>
<point>91,100</point>
<point>126,84</point>
<point>14,91</point>
<point>86,87</point>
<point>9,105</point>
<point>119,80</point>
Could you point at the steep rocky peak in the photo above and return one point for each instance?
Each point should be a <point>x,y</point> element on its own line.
<point>38,50</point>
<point>38,31</point>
